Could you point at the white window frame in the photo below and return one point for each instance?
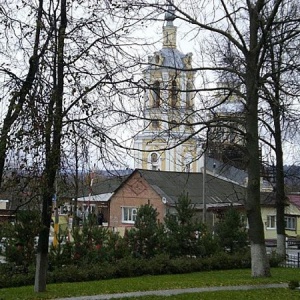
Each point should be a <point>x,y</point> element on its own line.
<point>290,220</point>
<point>89,208</point>
<point>271,221</point>
<point>129,214</point>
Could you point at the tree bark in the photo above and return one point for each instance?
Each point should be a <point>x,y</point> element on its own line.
<point>259,261</point>
<point>279,186</point>
<point>279,173</point>
<point>53,145</point>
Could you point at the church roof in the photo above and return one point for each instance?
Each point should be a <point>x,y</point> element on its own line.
<point>231,107</point>
<point>172,58</point>
<point>169,56</point>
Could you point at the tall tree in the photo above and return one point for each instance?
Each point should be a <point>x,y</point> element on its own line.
<point>248,22</point>
<point>280,91</point>
<point>53,132</point>
<point>78,78</point>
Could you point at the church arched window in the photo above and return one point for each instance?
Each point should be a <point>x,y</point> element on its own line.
<point>173,124</point>
<point>154,161</point>
<point>156,94</point>
<point>154,157</point>
<point>174,93</point>
<point>155,124</point>
<point>189,88</point>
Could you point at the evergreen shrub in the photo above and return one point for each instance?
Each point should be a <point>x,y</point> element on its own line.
<point>130,267</point>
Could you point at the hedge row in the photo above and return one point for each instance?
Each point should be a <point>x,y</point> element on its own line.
<point>130,267</point>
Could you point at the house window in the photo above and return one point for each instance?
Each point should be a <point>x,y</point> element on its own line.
<point>271,222</point>
<point>89,209</point>
<point>290,223</point>
<point>129,214</point>
<point>156,94</point>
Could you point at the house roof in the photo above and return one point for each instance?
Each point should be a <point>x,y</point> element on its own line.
<point>295,199</point>
<point>219,192</point>
<point>96,198</point>
<point>225,171</point>
<point>107,185</point>
<point>172,184</point>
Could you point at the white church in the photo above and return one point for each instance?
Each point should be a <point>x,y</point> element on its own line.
<point>166,143</point>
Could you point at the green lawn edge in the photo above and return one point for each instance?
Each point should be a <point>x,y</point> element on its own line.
<point>147,283</point>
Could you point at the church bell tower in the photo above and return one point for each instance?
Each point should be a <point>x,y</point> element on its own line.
<point>166,141</point>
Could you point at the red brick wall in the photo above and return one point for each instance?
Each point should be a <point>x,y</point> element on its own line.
<point>134,193</point>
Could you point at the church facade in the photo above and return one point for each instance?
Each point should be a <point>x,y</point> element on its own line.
<point>166,142</point>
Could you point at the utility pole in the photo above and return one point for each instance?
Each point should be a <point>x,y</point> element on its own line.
<point>204,187</point>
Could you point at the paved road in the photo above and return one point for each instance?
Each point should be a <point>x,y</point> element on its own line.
<point>178,291</point>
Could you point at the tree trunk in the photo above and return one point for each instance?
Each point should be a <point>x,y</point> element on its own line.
<point>40,274</point>
<point>280,193</point>
<point>259,261</point>
<point>43,244</point>
<point>279,173</point>
<point>53,145</point>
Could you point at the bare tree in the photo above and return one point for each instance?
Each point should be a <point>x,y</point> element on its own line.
<point>280,90</point>
<point>243,25</point>
<point>20,85</point>
<point>78,74</point>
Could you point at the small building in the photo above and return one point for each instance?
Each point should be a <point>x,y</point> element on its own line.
<point>162,190</point>
<point>292,218</point>
<point>5,213</point>
<point>96,198</point>
<point>118,198</point>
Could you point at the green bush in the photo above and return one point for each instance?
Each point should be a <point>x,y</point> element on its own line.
<point>20,237</point>
<point>231,232</point>
<point>293,284</point>
<point>9,277</point>
<point>275,259</point>
<point>127,267</point>
<point>183,231</point>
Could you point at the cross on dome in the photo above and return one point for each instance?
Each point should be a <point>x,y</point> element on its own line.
<point>170,13</point>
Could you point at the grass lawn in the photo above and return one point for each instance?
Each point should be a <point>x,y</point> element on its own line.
<point>146,283</point>
<point>274,294</point>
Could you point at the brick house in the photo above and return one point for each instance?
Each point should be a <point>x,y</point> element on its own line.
<point>119,198</point>
<point>162,190</point>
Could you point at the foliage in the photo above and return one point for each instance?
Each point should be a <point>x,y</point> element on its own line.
<point>129,267</point>
<point>91,244</point>
<point>275,259</point>
<point>20,237</point>
<point>143,240</point>
<point>185,235</point>
<point>293,284</point>
<point>231,232</point>
<point>10,275</point>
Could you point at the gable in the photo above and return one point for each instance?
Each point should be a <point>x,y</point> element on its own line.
<point>173,184</point>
